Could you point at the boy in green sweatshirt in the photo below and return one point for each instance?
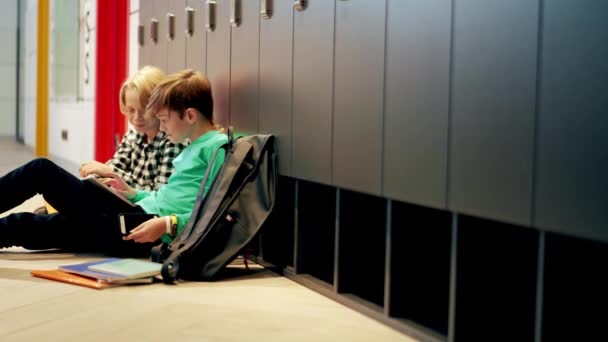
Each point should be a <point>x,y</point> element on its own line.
<point>184,106</point>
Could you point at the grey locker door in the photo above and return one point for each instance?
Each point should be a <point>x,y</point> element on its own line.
<point>244,70</point>
<point>276,48</point>
<point>159,49</point>
<point>358,95</point>
<point>196,45</point>
<point>417,101</point>
<point>572,152</point>
<point>218,62</point>
<point>493,104</point>
<point>176,46</point>
<point>313,53</point>
<point>146,12</point>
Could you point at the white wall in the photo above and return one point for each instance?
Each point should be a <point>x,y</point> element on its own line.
<point>77,115</point>
<point>29,29</point>
<point>8,67</point>
<point>133,48</point>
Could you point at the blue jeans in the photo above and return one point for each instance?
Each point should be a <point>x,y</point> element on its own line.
<point>87,220</point>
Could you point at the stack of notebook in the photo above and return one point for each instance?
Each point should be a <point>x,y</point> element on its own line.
<point>104,273</point>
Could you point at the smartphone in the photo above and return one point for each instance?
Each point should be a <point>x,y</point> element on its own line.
<point>129,221</point>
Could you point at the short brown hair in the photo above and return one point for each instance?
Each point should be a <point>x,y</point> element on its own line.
<point>143,82</point>
<point>183,90</point>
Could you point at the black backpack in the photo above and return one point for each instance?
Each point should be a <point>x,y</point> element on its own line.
<point>222,224</point>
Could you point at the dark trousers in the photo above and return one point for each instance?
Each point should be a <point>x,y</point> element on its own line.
<point>87,220</point>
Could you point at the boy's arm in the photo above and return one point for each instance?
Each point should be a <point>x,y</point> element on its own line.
<point>121,161</point>
<point>139,195</point>
<point>182,219</point>
<point>215,168</point>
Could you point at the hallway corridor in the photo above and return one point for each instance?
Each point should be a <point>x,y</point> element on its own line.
<point>257,306</point>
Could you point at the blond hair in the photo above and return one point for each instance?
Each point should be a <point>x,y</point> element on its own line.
<point>183,90</point>
<point>143,82</point>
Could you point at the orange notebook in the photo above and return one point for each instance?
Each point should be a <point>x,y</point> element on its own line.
<point>71,279</point>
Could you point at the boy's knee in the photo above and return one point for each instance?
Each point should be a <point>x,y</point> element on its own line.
<point>41,163</point>
<point>39,167</point>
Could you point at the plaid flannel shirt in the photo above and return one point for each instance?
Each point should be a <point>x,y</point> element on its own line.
<point>143,165</point>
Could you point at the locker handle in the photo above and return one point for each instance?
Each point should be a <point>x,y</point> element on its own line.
<point>140,35</point>
<point>171,26</point>
<point>266,9</point>
<point>154,30</point>
<point>210,25</point>
<point>87,31</point>
<point>87,76</point>
<point>189,21</point>
<point>300,5</point>
<point>235,13</point>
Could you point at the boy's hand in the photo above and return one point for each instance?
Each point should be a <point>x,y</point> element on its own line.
<point>93,167</point>
<point>117,184</point>
<point>148,231</point>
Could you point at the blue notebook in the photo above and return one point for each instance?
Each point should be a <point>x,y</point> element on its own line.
<point>128,268</point>
<point>83,269</point>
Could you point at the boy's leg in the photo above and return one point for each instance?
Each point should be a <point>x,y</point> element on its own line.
<point>99,234</point>
<point>61,189</point>
<point>87,221</point>
<point>33,231</point>
<point>39,176</point>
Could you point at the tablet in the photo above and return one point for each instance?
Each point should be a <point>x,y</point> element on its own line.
<point>94,182</point>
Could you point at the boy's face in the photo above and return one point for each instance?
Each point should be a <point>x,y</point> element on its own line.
<point>142,121</point>
<point>177,129</point>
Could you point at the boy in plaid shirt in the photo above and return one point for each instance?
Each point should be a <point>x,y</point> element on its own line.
<point>144,158</point>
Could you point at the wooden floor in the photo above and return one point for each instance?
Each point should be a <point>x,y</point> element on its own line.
<point>255,306</point>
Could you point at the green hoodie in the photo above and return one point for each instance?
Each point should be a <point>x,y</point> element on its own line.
<point>179,194</point>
